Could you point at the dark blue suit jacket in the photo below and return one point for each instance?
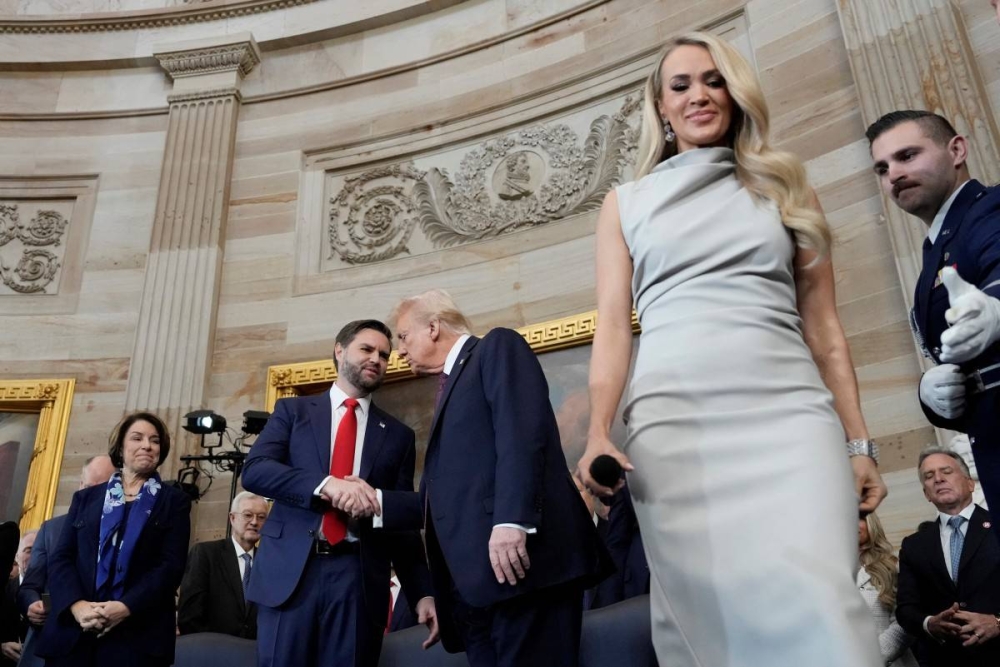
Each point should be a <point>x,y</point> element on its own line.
<point>36,582</point>
<point>926,588</point>
<point>494,457</point>
<point>621,535</point>
<point>154,573</point>
<point>289,459</point>
<point>969,240</point>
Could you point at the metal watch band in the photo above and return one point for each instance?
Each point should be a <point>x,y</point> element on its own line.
<point>862,447</point>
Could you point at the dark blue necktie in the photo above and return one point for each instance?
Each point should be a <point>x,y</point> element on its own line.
<point>247,560</point>
<point>957,540</point>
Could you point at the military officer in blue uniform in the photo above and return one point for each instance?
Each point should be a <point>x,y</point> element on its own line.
<point>921,163</point>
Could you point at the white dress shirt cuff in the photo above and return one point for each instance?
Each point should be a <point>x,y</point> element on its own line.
<point>926,621</point>
<point>322,484</point>
<point>377,518</point>
<point>531,530</point>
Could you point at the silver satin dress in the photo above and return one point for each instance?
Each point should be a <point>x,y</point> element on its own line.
<point>742,484</point>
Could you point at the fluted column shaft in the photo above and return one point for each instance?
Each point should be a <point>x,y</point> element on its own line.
<point>173,346</point>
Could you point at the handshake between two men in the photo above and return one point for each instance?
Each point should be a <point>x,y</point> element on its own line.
<point>508,549</point>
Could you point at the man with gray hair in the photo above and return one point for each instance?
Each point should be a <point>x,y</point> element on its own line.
<point>212,592</point>
<point>949,571</point>
<point>96,470</point>
<point>12,629</point>
<point>510,543</point>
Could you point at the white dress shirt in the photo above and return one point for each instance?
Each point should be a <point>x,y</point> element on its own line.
<point>942,213</point>
<point>337,412</point>
<point>946,532</point>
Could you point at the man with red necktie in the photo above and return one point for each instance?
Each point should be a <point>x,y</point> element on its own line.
<point>321,576</point>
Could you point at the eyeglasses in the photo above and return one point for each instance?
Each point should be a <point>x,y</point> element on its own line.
<point>250,516</point>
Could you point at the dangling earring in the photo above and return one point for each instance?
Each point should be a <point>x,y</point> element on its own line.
<point>668,132</point>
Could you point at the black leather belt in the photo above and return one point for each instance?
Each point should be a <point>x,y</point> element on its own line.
<point>322,548</point>
<point>984,379</point>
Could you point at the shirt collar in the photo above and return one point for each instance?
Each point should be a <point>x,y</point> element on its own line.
<point>942,213</point>
<point>337,398</point>
<point>240,550</point>
<point>967,513</point>
<point>456,349</point>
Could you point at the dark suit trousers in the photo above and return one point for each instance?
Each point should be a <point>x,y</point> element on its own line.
<point>538,629</point>
<point>983,423</point>
<point>325,623</point>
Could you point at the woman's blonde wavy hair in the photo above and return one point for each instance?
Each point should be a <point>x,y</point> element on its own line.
<point>765,172</point>
<point>879,562</point>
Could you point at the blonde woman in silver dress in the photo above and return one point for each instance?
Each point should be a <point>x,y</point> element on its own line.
<point>743,407</point>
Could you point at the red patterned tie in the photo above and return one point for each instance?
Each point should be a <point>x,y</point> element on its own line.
<point>442,381</point>
<point>388,621</point>
<point>342,465</point>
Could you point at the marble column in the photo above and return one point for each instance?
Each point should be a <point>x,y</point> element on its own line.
<point>915,54</point>
<point>173,345</point>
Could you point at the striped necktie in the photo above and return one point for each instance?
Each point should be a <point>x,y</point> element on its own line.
<point>248,562</point>
<point>957,540</point>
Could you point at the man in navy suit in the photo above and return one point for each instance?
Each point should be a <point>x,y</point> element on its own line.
<point>510,543</point>
<point>921,164</point>
<point>321,576</point>
<point>948,595</point>
<point>96,470</point>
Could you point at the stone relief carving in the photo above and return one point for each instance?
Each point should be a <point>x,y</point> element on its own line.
<point>34,269</point>
<point>522,179</point>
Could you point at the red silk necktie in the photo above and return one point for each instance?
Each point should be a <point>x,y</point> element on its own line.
<point>342,465</point>
<point>388,621</point>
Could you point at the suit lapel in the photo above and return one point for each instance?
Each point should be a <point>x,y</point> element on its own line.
<point>231,571</point>
<point>932,536</point>
<point>456,370</point>
<point>321,417</point>
<point>974,536</point>
<point>374,439</point>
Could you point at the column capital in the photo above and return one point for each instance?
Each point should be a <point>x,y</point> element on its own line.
<point>212,63</point>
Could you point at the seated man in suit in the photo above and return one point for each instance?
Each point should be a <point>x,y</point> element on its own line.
<point>96,470</point>
<point>214,586</point>
<point>622,538</point>
<point>949,571</point>
<point>12,628</point>
<point>321,576</point>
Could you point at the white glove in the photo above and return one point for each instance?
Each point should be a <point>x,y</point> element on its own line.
<point>942,389</point>
<point>974,318</point>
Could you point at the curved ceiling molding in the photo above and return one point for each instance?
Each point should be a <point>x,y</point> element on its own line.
<point>138,19</point>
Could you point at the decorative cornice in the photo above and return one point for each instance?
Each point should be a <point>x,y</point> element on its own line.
<point>216,94</point>
<point>144,19</point>
<point>241,57</point>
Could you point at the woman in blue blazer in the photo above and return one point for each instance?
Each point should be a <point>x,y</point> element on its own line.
<point>119,560</point>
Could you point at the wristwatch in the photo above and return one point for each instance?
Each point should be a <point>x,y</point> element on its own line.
<point>863,447</point>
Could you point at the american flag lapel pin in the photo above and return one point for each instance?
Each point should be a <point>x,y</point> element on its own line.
<point>986,525</point>
<point>381,424</point>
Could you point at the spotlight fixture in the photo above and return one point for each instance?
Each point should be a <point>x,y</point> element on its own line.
<point>203,422</point>
<point>254,421</point>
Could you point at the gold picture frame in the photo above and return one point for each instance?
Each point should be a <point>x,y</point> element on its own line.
<point>285,380</point>
<point>52,400</point>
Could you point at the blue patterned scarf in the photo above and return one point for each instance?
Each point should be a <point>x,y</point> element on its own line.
<point>123,538</point>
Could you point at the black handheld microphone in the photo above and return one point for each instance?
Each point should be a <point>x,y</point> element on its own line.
<point>606,470</point>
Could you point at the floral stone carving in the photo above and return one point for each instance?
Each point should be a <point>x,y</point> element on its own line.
<point>25,266</point>
<point>519,180</point>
